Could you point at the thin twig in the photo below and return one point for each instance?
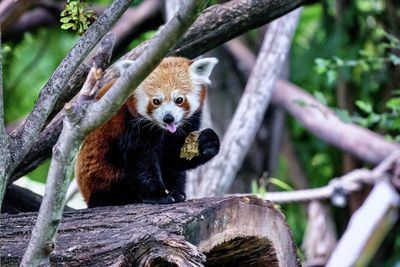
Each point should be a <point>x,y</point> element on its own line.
<point>341,186</point>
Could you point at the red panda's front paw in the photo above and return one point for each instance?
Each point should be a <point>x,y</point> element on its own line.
<point>208,144</point>
<point>178,196</point>
<point>162,200</point>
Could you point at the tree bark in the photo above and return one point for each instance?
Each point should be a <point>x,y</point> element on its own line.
<point>252,106</point>
<point>220,23</point>
<point>18,199</point>
<point>10,10</point>
<point>323,123</point>
<point>229,231</point>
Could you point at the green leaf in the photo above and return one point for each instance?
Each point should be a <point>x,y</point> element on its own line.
<point>280,184</point>
<point>344,115</point>
<point>394,103</point>
<point>394,59</point>
<point>373,118</point>
<point>65,19</point>
<point>364,106</point>
<point>66,26</point>
<point>331,75</point>
<point>320,97</point>
<point>321,65</point>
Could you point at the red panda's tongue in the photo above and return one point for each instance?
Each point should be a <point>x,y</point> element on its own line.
<point>171,127</point>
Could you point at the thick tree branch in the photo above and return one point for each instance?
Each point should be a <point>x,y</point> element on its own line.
<point>19,199</point>
<point>81,117</point>
<point>324,123</point>
<point>10,10</point>
<point>220,23</point>
<point>5,155</point>
<point>252,106</point>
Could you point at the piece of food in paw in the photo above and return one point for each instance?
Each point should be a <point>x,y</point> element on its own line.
<point>190,148</point>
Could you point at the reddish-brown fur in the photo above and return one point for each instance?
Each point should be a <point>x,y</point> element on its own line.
<point>93,171</point>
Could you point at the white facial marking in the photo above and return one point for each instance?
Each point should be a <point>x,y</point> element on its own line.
<point>200,70</point>
<point>142,99</point>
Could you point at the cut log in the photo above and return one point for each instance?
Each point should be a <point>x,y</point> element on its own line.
<point>228,231</point>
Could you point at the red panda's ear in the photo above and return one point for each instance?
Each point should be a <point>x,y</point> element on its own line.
<point>200,69</point>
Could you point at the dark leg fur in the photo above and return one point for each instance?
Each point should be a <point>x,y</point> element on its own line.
<point>175,182</point>
<point>141,146</point>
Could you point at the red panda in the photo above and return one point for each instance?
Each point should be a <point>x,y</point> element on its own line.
<point>135,156</point>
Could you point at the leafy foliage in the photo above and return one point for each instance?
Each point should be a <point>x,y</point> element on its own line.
<point>346,53</point>
<point>76,17</point>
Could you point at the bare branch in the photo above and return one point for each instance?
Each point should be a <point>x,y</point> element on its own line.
<point>3,134</point>
<point>171,6</point>
<point>81,118</point>
<point>320,236</point>
<point>5,156</point>
<point>339,187</point>
<point>23,139</point>
<point>367,227</point>
<point>220,23</point>
<point>251,108</point>
<point>323,122</point>
<point>10,11</point>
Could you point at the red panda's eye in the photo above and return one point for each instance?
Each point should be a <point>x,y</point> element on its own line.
<point>156,101</point>
<point>179,100</point>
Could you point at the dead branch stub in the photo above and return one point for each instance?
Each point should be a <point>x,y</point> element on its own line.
<point>228,231</point>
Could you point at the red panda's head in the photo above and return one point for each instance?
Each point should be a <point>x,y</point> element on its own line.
<point>173,91</point>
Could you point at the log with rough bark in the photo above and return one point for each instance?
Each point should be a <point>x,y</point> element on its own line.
<point>228,231</point>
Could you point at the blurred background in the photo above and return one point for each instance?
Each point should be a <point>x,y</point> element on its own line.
<point>346,53</point>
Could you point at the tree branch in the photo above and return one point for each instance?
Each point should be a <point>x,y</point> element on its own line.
<point>220,23</point>
<point>19,199</point>
<point>323,122</point>
<point>10,11</point>
<point>5,155</point>
<point>81,117</point>
<point>251,108</point>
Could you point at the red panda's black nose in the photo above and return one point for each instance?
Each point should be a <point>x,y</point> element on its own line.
<point>168,118</point>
